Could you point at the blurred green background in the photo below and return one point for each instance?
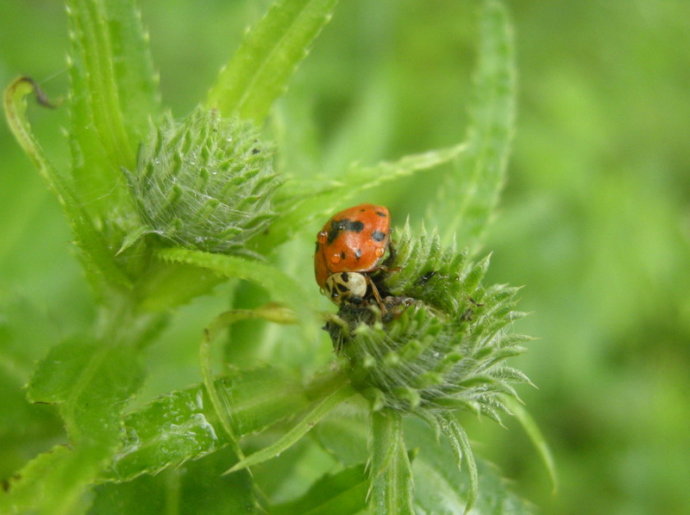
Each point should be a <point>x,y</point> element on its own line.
<point>594,221</point>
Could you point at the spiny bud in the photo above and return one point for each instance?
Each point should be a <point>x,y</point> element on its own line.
<point>444,347</point>
<point>205,182</point>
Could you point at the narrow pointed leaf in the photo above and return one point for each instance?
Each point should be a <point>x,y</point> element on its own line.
<point>319,410</point>
<point>385,431</point>
<point>275,313</point>
<point>133,70</point>
<point>113,93</point>
<point>390,471</point>
<point>259,71</point>
<point>463,452</point>
<point>96,257</point>
<point>467,198</point>
<point>536,437</point>
<point>317,202</point>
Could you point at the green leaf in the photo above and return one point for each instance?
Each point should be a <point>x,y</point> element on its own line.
<point>113,94</point>
<point>133,71</point>
<point>90,383</point>
<point>260,69</point>
<point>535,436</point>
<point>25,493</point>
<point>442,488</point>
<point>468,197</point>
<point>283,287</point>
<point>95,95</point>
<point>343,493</point>
<point>318,410</point>
<point>306,202</point>
<point>273,313</point>
<point>96,257</point>
<point>463,452</point>
<point>344,435</point>
<point>183,425</point>
<point>196,487</point>
<point>167,285</point>
<point>389,470</point>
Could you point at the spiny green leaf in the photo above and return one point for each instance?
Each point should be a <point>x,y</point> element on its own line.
<point>96,256</point>
<point>467,198</point>
<point>90,382</point>
<point>306,202</point>
<point>260,69</point>
<point>389,471</point>
<point>196,487</point>
<point>133,71</point>
<point>184,425</point>
<point>385,428</point>
<point>100,139</point>
<point>31,486</point>
<point>463,452</point>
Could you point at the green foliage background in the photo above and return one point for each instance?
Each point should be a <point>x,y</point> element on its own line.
<point>595,218</point>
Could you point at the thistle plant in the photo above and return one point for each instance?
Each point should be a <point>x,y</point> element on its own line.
<point>164,210</point>
<point>446,347</point>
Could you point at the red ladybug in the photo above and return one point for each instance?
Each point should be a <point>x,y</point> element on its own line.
<point>354,241</point>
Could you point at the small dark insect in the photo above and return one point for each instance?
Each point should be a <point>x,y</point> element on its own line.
<point>426,277</point>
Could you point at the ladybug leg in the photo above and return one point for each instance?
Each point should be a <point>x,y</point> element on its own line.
<point>386,265</point>
<point>376,294</point>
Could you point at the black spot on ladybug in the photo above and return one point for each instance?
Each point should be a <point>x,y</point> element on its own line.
<point>352,225</point>
<point>341,287</point>
<point>343,225</point>
<point>345,277</point>
<point>381,213</point>
<point>358,253</point>
<point>342,254</point>
<point>378,236</point>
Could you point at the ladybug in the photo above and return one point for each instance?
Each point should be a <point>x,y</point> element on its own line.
<point>352,243</point>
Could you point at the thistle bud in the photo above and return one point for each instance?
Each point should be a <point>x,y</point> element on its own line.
<point>444,347</point>
<point>205,182</point>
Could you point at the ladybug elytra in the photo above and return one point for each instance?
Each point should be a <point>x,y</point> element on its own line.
<point>352,243</point>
